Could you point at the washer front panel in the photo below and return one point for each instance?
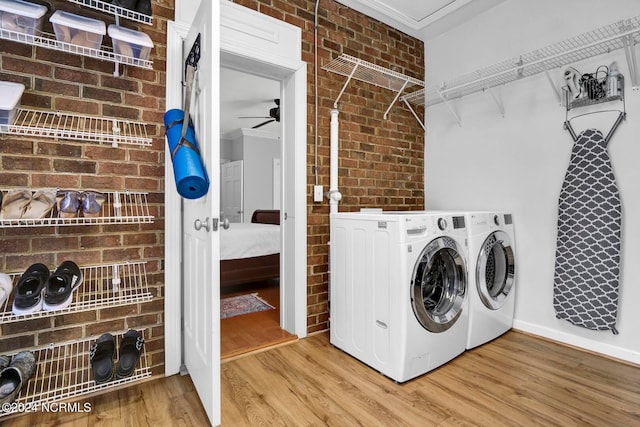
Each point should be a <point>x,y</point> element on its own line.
<point>439,284</point>
<point>495,270</point>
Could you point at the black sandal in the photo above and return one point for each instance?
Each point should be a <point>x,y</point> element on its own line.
<point>101,357</point>
<point>130,349</point>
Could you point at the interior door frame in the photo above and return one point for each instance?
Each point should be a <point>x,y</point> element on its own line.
<point>293,74</point>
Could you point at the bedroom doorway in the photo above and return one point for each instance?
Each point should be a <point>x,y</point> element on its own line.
<point>250,156</point>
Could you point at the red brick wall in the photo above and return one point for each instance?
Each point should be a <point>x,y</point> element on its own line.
<point>72,83</point>
<point>381,161</point>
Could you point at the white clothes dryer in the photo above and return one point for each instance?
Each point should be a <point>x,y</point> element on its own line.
<point>491,275</point>
<point>398,290</point>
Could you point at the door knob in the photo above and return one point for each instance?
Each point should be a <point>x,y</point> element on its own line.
<point>198,224</point>
<point>225,223</point>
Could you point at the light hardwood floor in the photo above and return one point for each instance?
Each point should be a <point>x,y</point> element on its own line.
<point>255,331</point>
<point>516,380</point>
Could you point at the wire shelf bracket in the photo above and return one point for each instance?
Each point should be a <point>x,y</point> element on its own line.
<point>58,125</point>
<point>102,286</point>
<point>354,68</point>
<point>63,371</point>
<point>498,101</point>
<point>623,35</point>
<point>408,105</point>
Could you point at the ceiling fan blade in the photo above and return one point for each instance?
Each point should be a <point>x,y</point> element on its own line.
<point>263,123</point>
<point>254,117</point>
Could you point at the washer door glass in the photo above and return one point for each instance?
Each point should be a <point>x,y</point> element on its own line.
<point>439,284</point>
<point>495,270</point>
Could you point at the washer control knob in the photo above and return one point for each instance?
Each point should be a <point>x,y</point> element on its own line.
<point>442,224</point>
<point>496,219</point>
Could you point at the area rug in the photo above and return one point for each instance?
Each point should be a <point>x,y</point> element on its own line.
<point>243,304</point>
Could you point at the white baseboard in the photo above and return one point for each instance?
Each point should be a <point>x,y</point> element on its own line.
<point>584,343</point>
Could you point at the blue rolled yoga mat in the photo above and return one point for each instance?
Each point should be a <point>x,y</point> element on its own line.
<point>188,170</point>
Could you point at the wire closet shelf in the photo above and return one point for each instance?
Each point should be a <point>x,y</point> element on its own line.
<point>55,124</point>
<point>119,11</point>
<point>119,207</point>
<point>63,371</point>
<point>102,286</point>
<point>354,68</point>
<point>621,35</point>
<point>49,41</point>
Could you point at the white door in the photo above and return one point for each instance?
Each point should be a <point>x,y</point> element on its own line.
<point>232,204</point>
<point>201,242</point>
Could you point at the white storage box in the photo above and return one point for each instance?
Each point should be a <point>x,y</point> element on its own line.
<point>21,16</point>
<point>78,30</point>
<point>130,43</point>
<point>10,94</point>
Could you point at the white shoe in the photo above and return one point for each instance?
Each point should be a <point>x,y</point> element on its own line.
<point>6,286</point>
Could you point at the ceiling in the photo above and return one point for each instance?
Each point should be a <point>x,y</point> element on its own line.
<point>243,94</point>
<point>422,19</point>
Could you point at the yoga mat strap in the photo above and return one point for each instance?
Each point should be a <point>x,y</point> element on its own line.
<point>184,142</point>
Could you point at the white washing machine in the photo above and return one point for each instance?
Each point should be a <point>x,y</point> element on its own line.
<point>491,275</point>
<point>398,290</point>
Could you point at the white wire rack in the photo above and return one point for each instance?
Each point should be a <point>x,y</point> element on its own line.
<point>63,371</point>
<point>102,286</point>
<point>621,35</point>
<point>49,124</point>
<point>122,12</point>
<point>120,207</point>
<point>570,103</point>
<point>49,41</point>
<point>358,69</point>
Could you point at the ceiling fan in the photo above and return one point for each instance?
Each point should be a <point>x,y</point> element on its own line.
<point>274,115</point>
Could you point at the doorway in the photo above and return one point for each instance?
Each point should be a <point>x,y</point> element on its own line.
<point>243,45</point>
<point>252,41</point>
<point>250,158</point>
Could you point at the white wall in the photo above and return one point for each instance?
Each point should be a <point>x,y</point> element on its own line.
<point>259,153</point>
<point>226,149</point>
<point>517,163</point>
<point>258,149</point>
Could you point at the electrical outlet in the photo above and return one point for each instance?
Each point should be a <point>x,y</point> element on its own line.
<point>317,193</point>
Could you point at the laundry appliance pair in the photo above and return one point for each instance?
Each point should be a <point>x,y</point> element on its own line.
<point>402,285</point>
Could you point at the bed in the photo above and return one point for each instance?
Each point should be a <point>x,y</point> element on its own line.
<point>250,252</point>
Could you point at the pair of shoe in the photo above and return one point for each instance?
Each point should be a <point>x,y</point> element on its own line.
<point>57,288</point>
<point>14,374</point>
<point>140,6</point>
<point>72,204</point>
<point>23,204</point>
<point>102,351</point>
<point>6,286</point>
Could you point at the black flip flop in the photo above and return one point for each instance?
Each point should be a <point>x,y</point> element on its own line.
<point>101,357</point>
<point>130,349</point>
